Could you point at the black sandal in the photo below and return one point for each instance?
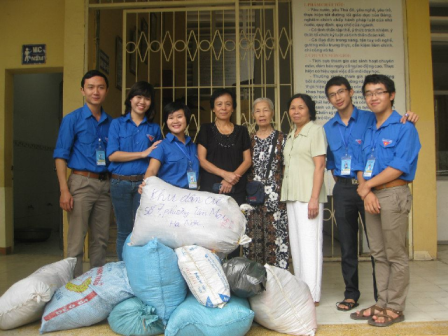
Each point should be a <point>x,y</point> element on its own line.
<point>349,305</point>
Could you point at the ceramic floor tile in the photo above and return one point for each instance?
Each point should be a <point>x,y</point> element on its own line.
<point>431,308</point>
<point>417,317</point>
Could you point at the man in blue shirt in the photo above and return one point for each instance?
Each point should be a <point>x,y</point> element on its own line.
<point>387,165</point>
<point>345,134</point>
<point>81,146</point>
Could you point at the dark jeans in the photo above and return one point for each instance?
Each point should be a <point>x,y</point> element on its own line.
<point>348,205</point>
<point>125,200</point>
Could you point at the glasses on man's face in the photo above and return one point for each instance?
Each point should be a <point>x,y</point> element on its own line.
<point>370,94</point>
<point>338,93</point>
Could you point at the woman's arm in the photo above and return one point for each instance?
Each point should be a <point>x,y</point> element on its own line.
<point>245,165</point>
<point>153,169</point>
<point>230,177</point>
<point>318,180</point>
<point>120,156</point>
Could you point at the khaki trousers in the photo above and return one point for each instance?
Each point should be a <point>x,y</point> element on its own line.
<point>387,236</point>
<point>91,208</point>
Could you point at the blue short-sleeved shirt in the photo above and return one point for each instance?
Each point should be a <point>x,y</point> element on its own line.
<point>78,139</point>
<point>174,157</point>
<point>126,136</point>
<point>346,139</point>
<point>395,145</point>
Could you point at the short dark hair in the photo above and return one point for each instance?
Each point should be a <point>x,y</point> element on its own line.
<point>174,106</point>
<point>94,73</point>
<point>144,89</point>
<point>337,81</point>
<point>221,92</point>
<point>309,102</point>
<point>379,79</point>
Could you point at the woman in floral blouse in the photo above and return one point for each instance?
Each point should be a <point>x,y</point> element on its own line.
<point>267,223</point>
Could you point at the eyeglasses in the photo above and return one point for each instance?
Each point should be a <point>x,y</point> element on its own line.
<point>339,92</point>
<point>369,95</point>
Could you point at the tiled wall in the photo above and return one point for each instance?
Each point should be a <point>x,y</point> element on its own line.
<point>36,122</point>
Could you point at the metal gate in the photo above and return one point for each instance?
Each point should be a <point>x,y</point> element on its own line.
<point>187,52</point>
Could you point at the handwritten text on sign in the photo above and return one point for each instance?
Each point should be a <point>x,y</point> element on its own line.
<point>172,206</point>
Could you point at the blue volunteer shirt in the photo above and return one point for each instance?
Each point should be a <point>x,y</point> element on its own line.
<point>346,139</point>
<point>394,145</point>
<point>174,157</point>
<point>78,139</point>
<point>126,136</point>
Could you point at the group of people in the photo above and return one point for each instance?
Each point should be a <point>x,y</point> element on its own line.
<point>372,156</point>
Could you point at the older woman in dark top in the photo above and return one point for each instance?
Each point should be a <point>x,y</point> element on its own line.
<point>224,149</point>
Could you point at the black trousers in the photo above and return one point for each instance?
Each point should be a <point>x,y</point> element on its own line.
<point>348,205</point>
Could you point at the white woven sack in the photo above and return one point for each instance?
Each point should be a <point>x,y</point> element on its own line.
<point>286,306</point>
<point>202,270</point>
<point>24,301</point>
<point>180,217</point>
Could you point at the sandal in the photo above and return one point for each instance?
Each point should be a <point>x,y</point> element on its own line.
<point>389,320</point>
<point>349,305</point>
<point>360,315</point>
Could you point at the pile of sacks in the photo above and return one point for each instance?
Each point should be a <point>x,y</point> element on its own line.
<point>172,280</point>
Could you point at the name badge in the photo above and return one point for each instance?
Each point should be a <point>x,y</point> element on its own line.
<point>100,157</point>
<point>369,166</point>
<point>346,162</point>
<point>192,181</point>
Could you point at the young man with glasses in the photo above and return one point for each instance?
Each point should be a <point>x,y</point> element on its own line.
<point>345,133</point>
<point>387,165</point>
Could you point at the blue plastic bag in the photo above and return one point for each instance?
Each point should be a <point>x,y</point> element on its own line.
<point>88,299</point>
<point>193,319</point>
<point>155,276</point>
<point>133,317</point>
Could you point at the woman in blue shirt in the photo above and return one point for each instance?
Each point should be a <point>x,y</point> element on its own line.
<point>175,160</point>
<point>132,138</point>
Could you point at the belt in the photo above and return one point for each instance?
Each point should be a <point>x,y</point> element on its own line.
<point>391,184</point>
<point>131,178</point>
<point>345,180</point>
<point>100,176</point>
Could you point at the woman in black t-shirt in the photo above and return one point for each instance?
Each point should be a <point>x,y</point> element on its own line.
<point>224,149</point>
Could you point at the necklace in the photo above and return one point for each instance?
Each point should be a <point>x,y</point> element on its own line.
<point>223,130</point>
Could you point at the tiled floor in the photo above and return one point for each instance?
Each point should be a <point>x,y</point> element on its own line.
<point>427,299</point>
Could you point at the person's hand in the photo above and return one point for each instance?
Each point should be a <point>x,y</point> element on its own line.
<point>371,204</point>
<point>66,201</point>
<point>140,187</point>
<point>231,177</point>
<point>313,208</point>
<point>146,152</point>
<point>409,116</point>
<point>363,190</point>
<point>226,187</point>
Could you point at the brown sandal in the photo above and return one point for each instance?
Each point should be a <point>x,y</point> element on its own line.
<point>360,315</point>
<point>389,320</point>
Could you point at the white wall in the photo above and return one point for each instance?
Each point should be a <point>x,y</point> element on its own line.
<point>37,109</point>
<point>442,209</point>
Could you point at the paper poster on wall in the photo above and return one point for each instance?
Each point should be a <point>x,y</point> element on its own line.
<point>348,38</point>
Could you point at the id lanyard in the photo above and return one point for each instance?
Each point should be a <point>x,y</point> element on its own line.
<point>100,149</point>
<point>346,160</point>
<point>191,174</point>
<point>368,170</point>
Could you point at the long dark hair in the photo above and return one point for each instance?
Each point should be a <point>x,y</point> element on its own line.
<point>144,89</point>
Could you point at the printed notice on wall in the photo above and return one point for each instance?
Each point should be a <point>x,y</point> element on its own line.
<point>349,38</point>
